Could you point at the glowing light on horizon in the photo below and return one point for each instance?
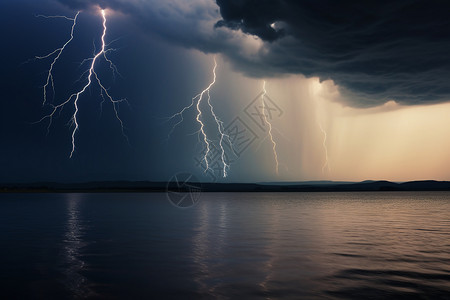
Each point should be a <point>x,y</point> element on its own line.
<point>76,96</point>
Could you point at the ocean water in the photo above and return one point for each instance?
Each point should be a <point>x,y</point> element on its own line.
<point>385,245</point>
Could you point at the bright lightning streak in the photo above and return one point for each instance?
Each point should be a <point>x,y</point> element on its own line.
<point>219,127</point>
<point>205,138</point>
<point>58,51</point>
<point>75,96</point>
<point>56,17</point>
<point>197,101</point>
<point>326,165</point>
<point>274,145</point>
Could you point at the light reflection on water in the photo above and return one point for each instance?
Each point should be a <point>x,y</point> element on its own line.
<point>230,245</point>
<point>73,242</point>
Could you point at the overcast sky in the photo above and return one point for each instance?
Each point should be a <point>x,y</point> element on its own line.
<point>343,78</point>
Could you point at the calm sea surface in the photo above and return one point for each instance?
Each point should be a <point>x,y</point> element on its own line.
<point>385,245</point>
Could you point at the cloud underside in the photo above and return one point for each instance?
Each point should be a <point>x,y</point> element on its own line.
<point>375,51</point>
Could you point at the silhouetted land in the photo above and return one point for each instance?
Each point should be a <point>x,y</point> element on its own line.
<point>317,186</point>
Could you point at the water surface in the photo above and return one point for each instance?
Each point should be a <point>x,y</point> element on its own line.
<point>230,245</point>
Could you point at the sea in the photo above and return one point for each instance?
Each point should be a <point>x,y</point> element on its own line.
<point>343,245</point>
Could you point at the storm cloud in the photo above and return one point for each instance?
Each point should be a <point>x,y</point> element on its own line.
<point>375,51</point>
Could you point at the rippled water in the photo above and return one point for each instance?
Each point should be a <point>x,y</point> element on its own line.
<point>230,245</point>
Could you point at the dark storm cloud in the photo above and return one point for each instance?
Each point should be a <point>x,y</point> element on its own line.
<point>374,51</point>
<point>253,17</point>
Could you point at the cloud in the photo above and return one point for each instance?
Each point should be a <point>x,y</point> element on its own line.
<point>375,51</point>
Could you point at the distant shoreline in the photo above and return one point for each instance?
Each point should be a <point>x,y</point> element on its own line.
<point>155,187</point>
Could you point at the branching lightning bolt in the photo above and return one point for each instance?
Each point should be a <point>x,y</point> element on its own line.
<point>58,51</point>
<point>219,127</point>
<point>198,118</point>
<point>197,101</point>
<point>91,73</point>
<point>326,165</point>
<point>274,145</point>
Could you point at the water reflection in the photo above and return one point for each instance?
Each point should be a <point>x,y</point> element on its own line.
<point>230,246</point>
<point>201,248</point>
<point>271,250</point>
<point>208,245</point>
<point>73,243</point>
<point>321,245</point>
<point>236,249</point>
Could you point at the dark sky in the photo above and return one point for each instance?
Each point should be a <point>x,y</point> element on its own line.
<point>375,51</point>
<point>154,82</point>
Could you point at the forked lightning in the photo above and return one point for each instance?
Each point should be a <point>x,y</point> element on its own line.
<point>197,101</point>
<point>91,77</point>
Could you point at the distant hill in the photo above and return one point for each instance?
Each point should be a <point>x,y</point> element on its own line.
<point>315,182</point>
<point>309,186</point>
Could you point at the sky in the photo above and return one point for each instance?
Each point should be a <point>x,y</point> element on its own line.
<point>304,90</point>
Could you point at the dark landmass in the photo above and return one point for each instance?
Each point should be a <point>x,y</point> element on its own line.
<point>310,186</point>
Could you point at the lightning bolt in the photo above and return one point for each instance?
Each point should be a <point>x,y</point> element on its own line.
<point>58,53</point>
<point>197,101</point>
<point>219,127</point>
<point>326,165</point>
<point>274,145</point>
<point>315,90</point>
<point>91,77</point>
